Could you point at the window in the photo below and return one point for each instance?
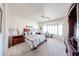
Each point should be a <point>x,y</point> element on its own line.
<point>52,29</point>
<point>49,29</point>
<point>60,29</point>
<point>44,29</point>
<point>55,29</point>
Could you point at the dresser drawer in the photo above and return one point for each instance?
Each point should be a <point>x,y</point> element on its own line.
<point>16,40</point>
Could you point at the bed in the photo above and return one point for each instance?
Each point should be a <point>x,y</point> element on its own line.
<point>34,39</point>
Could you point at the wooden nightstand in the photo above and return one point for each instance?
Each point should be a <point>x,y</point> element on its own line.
<point>13,40</point>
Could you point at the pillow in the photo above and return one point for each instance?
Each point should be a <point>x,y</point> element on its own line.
<point>29,33</point>
<point>25,33</point>
<point>32,31</point>
<point>38,33</point>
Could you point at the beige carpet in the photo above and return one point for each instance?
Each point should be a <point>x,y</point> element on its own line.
<point>52,47</point>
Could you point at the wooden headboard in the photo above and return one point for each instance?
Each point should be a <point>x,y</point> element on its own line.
<point>26,30</point>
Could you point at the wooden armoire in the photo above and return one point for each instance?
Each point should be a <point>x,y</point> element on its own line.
<point>72,44</point>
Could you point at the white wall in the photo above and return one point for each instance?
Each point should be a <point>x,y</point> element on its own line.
<point>65,27</point>
<point>0,33</point>
<point>20,22</point>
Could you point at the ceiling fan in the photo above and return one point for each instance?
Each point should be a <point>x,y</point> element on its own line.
<point>46,17</point>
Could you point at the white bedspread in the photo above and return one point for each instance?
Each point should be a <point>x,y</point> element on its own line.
<point>35,40</point>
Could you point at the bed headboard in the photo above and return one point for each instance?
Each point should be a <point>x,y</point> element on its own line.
<point>26,30</point>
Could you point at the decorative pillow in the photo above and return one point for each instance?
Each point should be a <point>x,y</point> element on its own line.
<point>32,31</point>
<point>38,33</point>
<point>25,33</point>
<point>29,33</point>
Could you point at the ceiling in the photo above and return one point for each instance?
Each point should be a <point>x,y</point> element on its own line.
<point>35,11</point>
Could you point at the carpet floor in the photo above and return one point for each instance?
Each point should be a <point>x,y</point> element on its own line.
<point>52,47</point>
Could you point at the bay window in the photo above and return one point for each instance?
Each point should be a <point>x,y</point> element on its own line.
<point>60,30</point>
<point>55,29</point>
